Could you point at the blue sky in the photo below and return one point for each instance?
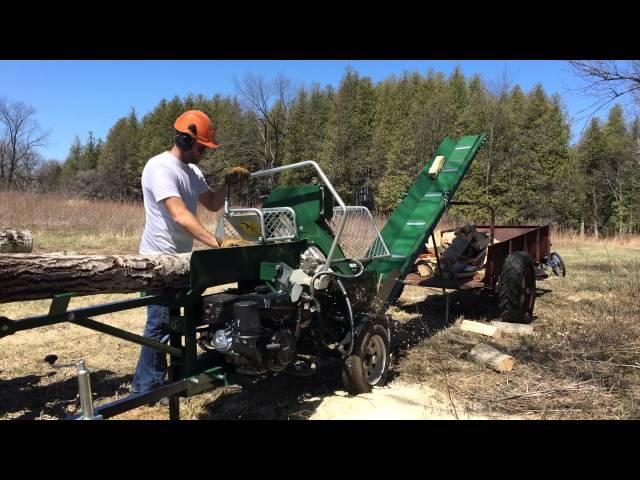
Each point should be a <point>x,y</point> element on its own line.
<point>72,97</point>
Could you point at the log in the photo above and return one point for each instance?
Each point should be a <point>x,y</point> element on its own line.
<point>424,270</point>
<point>34,277</point>
<point>236,242</point>
<point>481,328</point>
<point>487,356</point>
<point>15,241</point>
<point>515,328</point>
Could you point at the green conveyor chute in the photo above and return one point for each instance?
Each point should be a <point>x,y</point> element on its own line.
<point>413,221</point>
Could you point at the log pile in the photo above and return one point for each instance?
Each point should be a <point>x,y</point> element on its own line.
<point>15,241</point>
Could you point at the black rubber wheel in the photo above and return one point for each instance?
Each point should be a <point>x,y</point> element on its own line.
<point>368,365</point>
<point>557,264</point>
<point>517,288</point>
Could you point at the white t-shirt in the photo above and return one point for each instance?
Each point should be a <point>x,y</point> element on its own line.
<point>165,176</point>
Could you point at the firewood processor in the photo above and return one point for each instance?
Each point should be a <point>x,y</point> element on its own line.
<point>314,278</point>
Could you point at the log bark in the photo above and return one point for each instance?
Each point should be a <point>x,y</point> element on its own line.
<point>34,277</point>
<point>487,356</point>
<point>15,241</point>
<point>515,328</point>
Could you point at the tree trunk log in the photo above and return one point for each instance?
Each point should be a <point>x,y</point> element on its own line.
<point>33,277</point>
<point>15,241</point>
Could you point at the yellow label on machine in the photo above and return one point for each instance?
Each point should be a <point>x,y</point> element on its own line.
<point>250,227</point>
<point>247,226</point>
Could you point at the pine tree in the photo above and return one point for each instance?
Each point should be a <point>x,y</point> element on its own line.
<point>458,94</point>
<point>398,129</point>
<point>71,166</point>
<point>590,155</point>
<point>372,140</point>
<point>631,179</point>
<point>618,151</point>
<point>119,166</point>
<point>350,133</point>
<point>90,153</point>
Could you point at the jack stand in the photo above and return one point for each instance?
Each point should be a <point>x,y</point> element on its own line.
<point>86,399</point>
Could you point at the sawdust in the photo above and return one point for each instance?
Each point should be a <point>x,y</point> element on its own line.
<point>396,401</point>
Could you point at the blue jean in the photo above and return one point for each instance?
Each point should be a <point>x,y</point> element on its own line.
<point>152,364</point>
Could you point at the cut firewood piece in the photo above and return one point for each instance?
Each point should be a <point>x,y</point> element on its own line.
<point>515,328</point>
<point>424,270</point>
<point>15,241</point>
<point>481,328</point>
<point>447,238</point>
<point>485,355</point>
<point>436,166</point>
<point>429,244</point>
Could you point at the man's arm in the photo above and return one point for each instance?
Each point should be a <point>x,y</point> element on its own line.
<point>212,200</point>
<point>183,217</point>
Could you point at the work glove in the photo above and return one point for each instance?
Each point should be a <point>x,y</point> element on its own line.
<point>236,175</point>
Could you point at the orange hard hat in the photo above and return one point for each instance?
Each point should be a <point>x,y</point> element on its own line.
<point>196,124</point>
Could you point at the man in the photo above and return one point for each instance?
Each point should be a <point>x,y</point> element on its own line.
<point>172,186</point>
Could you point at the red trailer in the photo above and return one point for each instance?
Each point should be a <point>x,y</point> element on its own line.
<point>515,258</point>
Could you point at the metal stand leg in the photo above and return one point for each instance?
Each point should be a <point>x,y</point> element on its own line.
<point>174,407</point>
<point>84,389</point>
<point>175,340</point>
<point>444,290</point>
<point>446,312</point>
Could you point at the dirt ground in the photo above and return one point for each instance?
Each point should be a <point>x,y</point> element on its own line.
<point>581,362</point>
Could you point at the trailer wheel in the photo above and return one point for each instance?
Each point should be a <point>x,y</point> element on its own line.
<point>368,365</point>
<point>557,264</point>
<point>517,288</point>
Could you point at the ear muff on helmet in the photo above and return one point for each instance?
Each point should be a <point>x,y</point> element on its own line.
<point>184,141</point>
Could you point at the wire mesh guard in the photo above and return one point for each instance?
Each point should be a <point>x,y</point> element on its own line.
<point>360,237</point>
<point>279,225</point>
<point>230,233</point>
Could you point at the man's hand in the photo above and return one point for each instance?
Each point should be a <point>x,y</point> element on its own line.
<point>237,175</point>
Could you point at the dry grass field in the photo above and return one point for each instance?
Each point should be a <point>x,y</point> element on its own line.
<point>583,361</point>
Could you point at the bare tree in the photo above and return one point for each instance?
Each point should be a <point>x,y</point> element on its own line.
<point>4,153</point>
<point>26,173</point>
<point>20,136</point>
<point>271,103</point>
<point>608,80</point>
